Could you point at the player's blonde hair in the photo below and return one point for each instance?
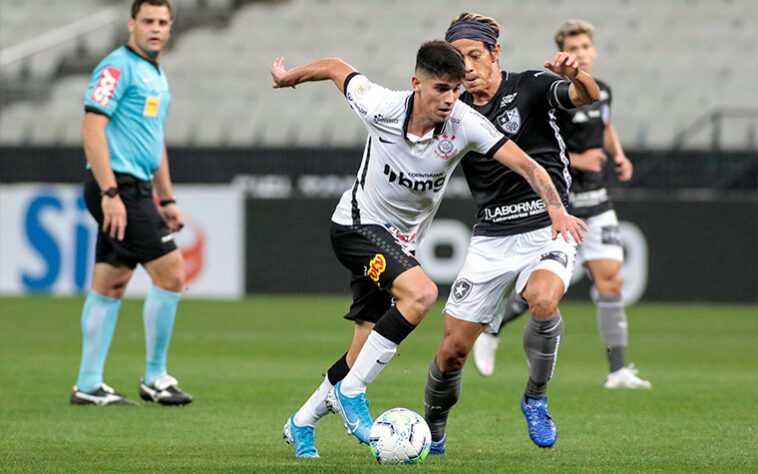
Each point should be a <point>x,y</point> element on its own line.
<point>573,28</point>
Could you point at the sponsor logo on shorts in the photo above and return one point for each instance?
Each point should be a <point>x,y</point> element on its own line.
<point>446,148</point>
<point>610,235</point>
<point>461,289</point>
<point>399,235</point>
<point>376,267</point>
<point>106,85</point>
<point>556,255</point>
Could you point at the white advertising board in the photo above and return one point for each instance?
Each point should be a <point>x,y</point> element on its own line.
<point>47,241</point>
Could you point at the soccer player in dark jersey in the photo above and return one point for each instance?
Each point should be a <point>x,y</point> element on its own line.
<point>123,133</point>
<point>415,140</point>
<point>512,246</point>
<point>590,138</point>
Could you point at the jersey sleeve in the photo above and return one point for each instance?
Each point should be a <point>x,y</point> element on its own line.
<point>109,81</point>
<point>481,135</point>
<point>364,96</point>
<point>554,89</point>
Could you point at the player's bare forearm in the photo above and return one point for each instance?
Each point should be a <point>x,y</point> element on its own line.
<point>540,181</point>
<point>96,149</point>
<point>512,156</point>
<point>611,142</point>
<point>162,179</point>
<point>333,69</point>
<point>584,90</point>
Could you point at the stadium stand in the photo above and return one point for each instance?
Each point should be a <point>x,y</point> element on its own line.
<point>678,69</point>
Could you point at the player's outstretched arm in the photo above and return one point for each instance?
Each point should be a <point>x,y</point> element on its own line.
<point>583,90</point>
<point>563,223</point>
<point>334,69</point>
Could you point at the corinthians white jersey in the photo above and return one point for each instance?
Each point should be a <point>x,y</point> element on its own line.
<point>402,178</point>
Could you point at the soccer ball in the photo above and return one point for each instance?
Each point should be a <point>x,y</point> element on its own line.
<point>400,436</point>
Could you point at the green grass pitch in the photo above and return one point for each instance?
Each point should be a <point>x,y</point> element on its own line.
<point>251,363</point>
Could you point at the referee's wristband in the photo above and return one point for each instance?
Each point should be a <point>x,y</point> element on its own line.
<point>166,202</point>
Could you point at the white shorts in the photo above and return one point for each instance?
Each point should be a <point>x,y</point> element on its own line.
<point>603,240</point>
<point>496,265</point>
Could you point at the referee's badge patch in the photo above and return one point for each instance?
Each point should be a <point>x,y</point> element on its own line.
<point>461,289</point>
<point>151,106</point>
<point>510,121</point>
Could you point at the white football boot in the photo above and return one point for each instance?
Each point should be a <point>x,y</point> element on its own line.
<point>626,377</point>
<point>484,350</point>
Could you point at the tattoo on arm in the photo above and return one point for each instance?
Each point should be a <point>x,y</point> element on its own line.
<point>544,187</point>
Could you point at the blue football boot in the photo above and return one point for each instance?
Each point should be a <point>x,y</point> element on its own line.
<point>438,447</point>
<point>542,430</point>
<point>301,437</point>
<point>354,410</point>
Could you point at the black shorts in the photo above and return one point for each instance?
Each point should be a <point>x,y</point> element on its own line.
<point>147,235</point>
<point>375,258</point>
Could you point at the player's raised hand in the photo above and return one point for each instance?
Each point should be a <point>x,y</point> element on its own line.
<point>624,167</point>
<point>564,64</point>
<point>279,74</point>
<point>567,225</point>
<point>114,216</point>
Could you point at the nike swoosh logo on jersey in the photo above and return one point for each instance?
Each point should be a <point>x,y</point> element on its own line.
<point>384,140</point>
<point>539,73</point>
<point>146,79</point>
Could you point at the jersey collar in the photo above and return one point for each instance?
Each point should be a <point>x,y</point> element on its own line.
<point>154,64</point>
<point>408,111</point>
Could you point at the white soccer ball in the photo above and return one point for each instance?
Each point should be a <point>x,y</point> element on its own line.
<point>400,436</point>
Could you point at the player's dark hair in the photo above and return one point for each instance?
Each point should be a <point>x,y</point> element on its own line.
<point>440,59</point>
<point>137,4</point>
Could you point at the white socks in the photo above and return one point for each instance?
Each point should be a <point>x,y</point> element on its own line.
<point>374,355</point>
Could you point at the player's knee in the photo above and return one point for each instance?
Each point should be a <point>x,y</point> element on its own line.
<point>171,281</point>
<point>541,306</point>
<point>425,296</point>
<point>610,285</point>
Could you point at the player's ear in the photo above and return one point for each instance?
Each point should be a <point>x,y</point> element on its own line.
<point>495,53</point>
<point>130,25</point>
<point>416,83</point>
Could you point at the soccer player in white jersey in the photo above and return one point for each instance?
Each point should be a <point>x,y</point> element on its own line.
<point>415,140</point>
<point>590,139</point>
<point>512,249</point>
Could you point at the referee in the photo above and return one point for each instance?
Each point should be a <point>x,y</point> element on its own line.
<point>126,106</point>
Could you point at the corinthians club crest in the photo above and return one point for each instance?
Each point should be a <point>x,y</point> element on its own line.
<point>445,146</point>
<point>510,121</point>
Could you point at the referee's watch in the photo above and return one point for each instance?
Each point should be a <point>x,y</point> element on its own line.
<point>166,202</point>
<point>110,192</point>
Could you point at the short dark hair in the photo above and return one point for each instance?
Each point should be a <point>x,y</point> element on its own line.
<point>440,59</point>
<point>137,4</point>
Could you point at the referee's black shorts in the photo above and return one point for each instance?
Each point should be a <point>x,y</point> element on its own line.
<point>147,235</point>
<point>375,258</point>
